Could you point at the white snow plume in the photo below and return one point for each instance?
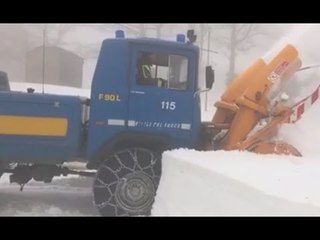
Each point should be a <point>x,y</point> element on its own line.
<point>306,38</point>
<point>304,134</point>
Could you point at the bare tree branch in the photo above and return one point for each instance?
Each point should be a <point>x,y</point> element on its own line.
<point>245,34</point>
<point>237,37</point>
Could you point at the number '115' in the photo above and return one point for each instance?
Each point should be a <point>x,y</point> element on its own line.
<point>168,105</point>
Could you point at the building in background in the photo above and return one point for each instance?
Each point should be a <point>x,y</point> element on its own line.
<point>89,66</point>
<point>61,67</point>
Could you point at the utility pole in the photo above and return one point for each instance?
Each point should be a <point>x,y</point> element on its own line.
<point>201,40</point>
<point>44,56</point>
<point>208,63</point>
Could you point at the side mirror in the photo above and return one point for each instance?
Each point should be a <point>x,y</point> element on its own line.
<point>30,90</point>
<point>191,36</point>
<point>209,77</point>
<point>4,82</point>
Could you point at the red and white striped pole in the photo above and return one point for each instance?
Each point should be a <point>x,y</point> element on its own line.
<point>299,108</point>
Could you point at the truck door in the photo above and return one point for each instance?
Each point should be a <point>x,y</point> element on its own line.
<point>161,92</point>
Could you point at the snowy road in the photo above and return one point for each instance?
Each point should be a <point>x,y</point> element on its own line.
<point>63,197</point>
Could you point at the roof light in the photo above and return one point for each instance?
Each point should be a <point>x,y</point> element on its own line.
<point>119,34</point>
<point>181,38</point>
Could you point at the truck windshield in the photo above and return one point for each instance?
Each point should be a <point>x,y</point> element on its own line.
<point>162,70</point>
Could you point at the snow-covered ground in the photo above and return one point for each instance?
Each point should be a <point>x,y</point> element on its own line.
<point>65,196</point>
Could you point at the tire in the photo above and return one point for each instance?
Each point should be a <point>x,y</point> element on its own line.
<point>1,169</point>
<point>126,183</point>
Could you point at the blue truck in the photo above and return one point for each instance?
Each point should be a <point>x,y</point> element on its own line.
<point>131,117</point>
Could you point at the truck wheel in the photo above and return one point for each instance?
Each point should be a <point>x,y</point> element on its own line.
<point>1,169</point>
<point>126,183</point>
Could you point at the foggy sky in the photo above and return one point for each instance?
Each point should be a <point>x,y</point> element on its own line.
<point>85,39</point>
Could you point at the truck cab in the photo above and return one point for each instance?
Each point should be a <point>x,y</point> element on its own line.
<point>158,108</point>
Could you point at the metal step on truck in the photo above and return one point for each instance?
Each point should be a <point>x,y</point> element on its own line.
<point>145,99</point>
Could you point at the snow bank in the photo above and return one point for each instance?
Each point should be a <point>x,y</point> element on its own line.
<point>52,89</point>
<point>237,183</point>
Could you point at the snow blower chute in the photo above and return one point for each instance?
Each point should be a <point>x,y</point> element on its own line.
<point>250,110</point>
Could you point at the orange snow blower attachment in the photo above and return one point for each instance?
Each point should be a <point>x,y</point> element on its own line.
<point>249,100</point>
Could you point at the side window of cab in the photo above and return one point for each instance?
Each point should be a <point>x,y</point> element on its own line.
<point>162,70</point>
